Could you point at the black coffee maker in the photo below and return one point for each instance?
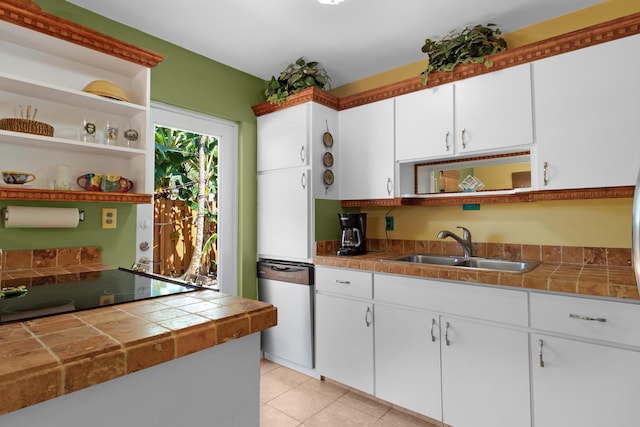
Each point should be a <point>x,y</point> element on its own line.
<point>353,240</point>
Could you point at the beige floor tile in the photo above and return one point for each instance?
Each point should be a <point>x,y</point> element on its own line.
<point>271,417</point>
<point>340,415</point>
<point>300,403</point>
<point>327,388</point>
<point>365,404</point>
<point>277,381</point>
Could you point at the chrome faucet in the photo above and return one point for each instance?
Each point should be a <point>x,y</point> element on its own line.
<point>464,241</point>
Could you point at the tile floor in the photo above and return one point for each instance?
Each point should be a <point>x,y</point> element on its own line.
<point>291,399</point>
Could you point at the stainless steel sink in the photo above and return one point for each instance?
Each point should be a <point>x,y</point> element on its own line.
<point>489,264</point>
<point>499,264</point>
<point>427,259</point>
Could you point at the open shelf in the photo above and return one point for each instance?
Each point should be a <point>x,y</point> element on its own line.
<point>39,194</point>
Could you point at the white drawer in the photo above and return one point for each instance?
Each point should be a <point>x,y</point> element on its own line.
<point>611,321</point>
<point>474,301</point>
<point>344,282</point>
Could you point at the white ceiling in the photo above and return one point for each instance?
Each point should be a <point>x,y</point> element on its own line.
<point>352,40</point>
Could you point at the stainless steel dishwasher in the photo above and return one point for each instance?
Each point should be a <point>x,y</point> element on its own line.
<point>289,287</point>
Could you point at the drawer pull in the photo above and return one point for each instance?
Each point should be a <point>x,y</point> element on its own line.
<point>591,319</point>
<point>540,353</point>
<point>433,324</point>
<point>343,282</point>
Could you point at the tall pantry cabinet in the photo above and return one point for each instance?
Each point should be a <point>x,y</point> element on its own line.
<point>292,163</point>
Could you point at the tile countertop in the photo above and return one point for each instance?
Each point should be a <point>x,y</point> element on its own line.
<point>584,279</point>
<point>48,357</point>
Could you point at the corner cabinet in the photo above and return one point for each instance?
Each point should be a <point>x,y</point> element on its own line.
<point>585,355</point>
<point>367,151</point>
<point>46,63</point>
<point>587,125</point>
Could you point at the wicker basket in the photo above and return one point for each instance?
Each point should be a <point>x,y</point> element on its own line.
<point>26,126</point>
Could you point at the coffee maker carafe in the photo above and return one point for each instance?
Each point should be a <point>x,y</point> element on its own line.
<point>353,228</point>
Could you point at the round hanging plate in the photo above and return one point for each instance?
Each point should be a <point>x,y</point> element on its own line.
<point>327,159</point>
<point>328,177</point>
<point>327,139</point>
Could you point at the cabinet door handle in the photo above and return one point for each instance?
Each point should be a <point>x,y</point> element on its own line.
<point>389,186</point>
<point>366,317</point>
<point>433,324</point>
<point>464,142</point>
<point>591,319</point>
<point>302,154</point>
<point>343,282</point>
<point>545,179</point>
<point>303,180</point>
<point>446,140</point>
<point>540,344</point>
<point>446,333</point>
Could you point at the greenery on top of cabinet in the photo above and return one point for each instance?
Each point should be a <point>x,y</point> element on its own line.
<point>297,76</point>
<point>471,45</point>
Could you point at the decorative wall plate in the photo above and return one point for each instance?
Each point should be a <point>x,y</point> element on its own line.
<point>328,177</point>
<point>327,159</point>
<point>327,139</point>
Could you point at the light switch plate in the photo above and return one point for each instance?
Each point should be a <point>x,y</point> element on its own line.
<point>109,217</point>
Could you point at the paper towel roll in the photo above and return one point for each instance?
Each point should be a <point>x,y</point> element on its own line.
<point>38,217</point>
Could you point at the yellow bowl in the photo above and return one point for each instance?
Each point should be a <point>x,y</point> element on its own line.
<point>105,88</point>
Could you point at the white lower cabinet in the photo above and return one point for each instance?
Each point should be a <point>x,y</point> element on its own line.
<point>583,384</point>
<point>485,375</point>
<point>407,351</point>
<point>344,327</point>
<point>585,355</point>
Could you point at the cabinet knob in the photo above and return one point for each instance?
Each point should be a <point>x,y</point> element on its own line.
<point>540,343</point>
<point>302,154</point>
<point>463,139</point>
<point>446,140</point>
<point>303,180</point>
<point>544,173</point>
<point>389,186</point>
<point>433,324</point>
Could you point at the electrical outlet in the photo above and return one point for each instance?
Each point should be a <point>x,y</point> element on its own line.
<point>109,217</point>
<point>389,223</point>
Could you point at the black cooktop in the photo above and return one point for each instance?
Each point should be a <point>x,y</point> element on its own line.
<point>82,291</point>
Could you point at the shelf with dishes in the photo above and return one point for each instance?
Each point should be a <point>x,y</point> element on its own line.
<point>20,192</point>
<point>64,144</point>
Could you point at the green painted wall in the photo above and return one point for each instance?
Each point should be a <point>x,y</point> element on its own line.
<point>187,80</point>
<point>118,245</point>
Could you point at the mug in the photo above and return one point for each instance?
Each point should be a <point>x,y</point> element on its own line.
<point>90,181</point>
<point>110,183</point>
<point>17,177</point>
<point>124,185</point>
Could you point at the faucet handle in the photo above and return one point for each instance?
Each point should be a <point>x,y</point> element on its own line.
<point>466,234</point>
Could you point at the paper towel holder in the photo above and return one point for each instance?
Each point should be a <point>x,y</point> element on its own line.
<point>5,215</point>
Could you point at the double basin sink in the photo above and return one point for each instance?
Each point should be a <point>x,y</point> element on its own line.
<point>488,264</point>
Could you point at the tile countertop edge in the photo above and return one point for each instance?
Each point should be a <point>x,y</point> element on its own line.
<point>45,358</point>
<point>616,283</point>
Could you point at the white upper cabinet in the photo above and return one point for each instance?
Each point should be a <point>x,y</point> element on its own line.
<point>587,117</point>
<point>283,138</point>
<point>493,111</point>
<point>49,74</point>
<point>490,113</point>
<point>366,151</point>
<point>424,124</point>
